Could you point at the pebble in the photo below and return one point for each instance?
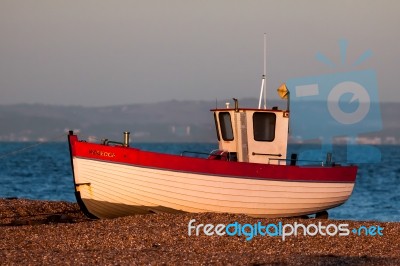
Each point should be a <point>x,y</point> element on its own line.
<point>45,232</point>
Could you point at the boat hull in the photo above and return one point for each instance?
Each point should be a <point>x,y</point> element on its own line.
<point>115,181</point>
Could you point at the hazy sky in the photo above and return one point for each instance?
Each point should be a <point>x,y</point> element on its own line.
<point>101,52</point>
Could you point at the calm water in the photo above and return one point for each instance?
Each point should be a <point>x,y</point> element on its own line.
<point>44,172</point>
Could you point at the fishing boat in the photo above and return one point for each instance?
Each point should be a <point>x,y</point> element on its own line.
<point>250,173</point>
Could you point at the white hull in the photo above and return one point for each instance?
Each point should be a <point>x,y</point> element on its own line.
<point>111,190</point>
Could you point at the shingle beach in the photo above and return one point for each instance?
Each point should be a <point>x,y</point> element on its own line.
<point>46,232</point>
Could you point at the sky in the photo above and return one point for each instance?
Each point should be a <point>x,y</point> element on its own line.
<point>101,52</point>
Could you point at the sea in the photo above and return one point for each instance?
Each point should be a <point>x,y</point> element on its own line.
<point>42,171</point>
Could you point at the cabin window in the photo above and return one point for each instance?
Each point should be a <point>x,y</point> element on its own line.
<point>226,125</point>
<point>264,126</point>
<point>216,126</point>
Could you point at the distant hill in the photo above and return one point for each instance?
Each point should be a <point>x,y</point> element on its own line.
<point>169,121</point>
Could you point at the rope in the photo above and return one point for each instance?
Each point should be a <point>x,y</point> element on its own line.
<point>30,147</point>
<point>30,215</point>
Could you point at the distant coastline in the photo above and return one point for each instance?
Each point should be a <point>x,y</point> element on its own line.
<point>169,121</point>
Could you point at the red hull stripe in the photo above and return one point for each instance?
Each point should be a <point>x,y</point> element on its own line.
<point>139,158</point>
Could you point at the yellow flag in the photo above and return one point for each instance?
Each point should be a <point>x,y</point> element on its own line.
<point>283,91</point>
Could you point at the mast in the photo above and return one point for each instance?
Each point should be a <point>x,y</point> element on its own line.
<point>263,90</point>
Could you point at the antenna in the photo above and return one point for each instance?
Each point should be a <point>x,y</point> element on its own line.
<point>263,90</point>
